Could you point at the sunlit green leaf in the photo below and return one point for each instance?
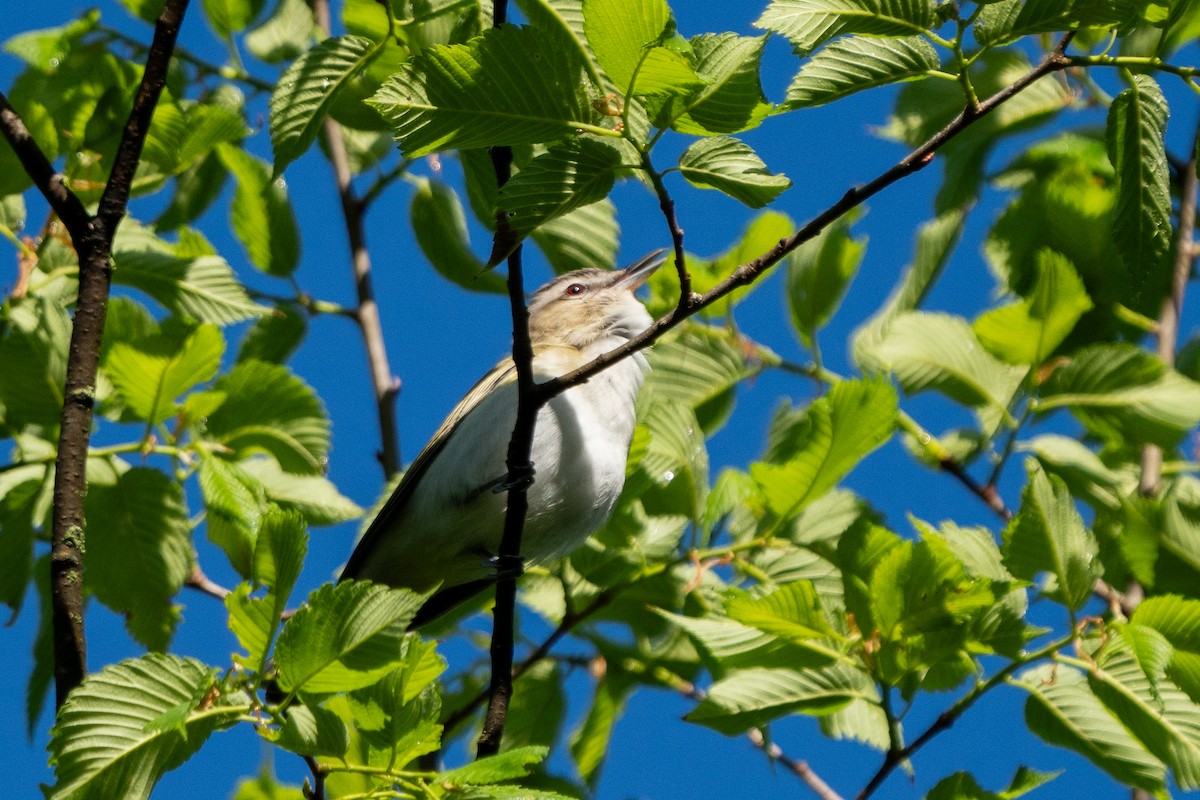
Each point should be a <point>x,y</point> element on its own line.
<point>858,63</point>
<point>262,216</point>
<point>731,166</point>
<point>818,274</point>
<point>808,23</point>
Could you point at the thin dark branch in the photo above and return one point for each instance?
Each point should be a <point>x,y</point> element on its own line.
<point>667,205</point>
<point>751,271</point>
<point>92,237</point>
<point>987,493</point>
<point>385,384</point>
<point>520,473</point>
<point>49,182</point>
<point>539,653</point>
<point>317,790</point>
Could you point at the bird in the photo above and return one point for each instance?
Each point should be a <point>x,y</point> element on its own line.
<point>442,524</point>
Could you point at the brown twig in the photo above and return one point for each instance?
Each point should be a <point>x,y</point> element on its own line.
<point>667,206</point>
<point>197,580</point>
<point>385,383</point>
<point>92,237</point>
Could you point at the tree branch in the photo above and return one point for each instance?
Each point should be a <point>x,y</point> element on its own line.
<point>48,181</point>
<point>92,237</point>
<point>386,385</point>
<point>751,271</point>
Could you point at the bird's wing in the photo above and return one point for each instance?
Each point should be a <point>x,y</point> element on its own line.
<point>502,373</point>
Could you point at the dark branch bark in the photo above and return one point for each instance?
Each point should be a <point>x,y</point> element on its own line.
<point>386,385</point>
<point>49,182</point>
<point>93,238</point>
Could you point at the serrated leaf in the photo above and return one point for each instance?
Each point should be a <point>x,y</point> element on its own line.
<point>808,23</point>
<point>202,288</point>
<point>752,697</point>
<point>1062,710</point>
<point>818,274</point>
<point>620,31</point>
<point>1137,121</point>
<point>262,216</point>
<point>858,63</point>
<point>1048,535</point>
<point>582,238</point>
<point>1029,330</point>
<point>732,100</point>
<point>940,352</point>
<point>1178,620</point>
<point>1121,392</point>
<point>568,176</point>
<point>841,429</point>
<point>509,86</point>
<point>440,228</point>
<point>34,347</point>
<point>110,740</point>
<point>1161,716</point>
<point>731,166</point>
<point>315,497</point>
<point>268,409</point>
<point>152,373</point>
<point>515,763</point>
<point>302,97</point>
<point>344,637</point>
<point>698,368</point>
<point>139,527</point>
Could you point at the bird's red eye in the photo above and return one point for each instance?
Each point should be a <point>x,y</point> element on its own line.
<point>576,289</point>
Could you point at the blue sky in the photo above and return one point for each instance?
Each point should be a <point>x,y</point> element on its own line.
<point>440,341</point>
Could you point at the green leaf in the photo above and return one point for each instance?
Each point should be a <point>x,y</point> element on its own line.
<point>302,97</point>
<point>940,352</point>
<point>516,763</point>
<point>590,742</point>
<point>265,786</point>
<point>279,549</point>
<point>699,368</point>
<point>152,373</point>
<point>568,176</point>
<point>855,64</point>
<point>838,431</point>
<point>34,347</point>
<point>285,35</point>
<point>818,274</point>
<point>17,511</point>
<point>621,33</point>
<point>664,72</point>
<point>1178,620</point>
<point>752,697</point>
<point>732,100</point>
<point>268,409</point>
<point>808,23</point>
<point>509,86</point>
<point>230,16</point>
<point>1161,716</point>
<point>441,231</point>
<point>139,527</point>
<point>314,496</point>
<point>129,723</point>
<point>1029,330</point>
<point>583,238</point>
<point>1122,393</point>
<point>1137,121</point>
<point>234,504</point>
<point>538,707</point>
<point>275,336</point>
<point>344,637</point>
<point>936,240</point>
<point>202,288</point>
<point>262,216</point>
<point>1062,710</point>
<point>196,189</point>
<point>310,730</point>
<point>731,166</point>
<point>1048,535</point>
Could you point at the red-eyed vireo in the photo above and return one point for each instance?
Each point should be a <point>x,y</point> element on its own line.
<point>443,522</point>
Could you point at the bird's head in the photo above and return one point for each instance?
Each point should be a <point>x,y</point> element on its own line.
<point>581,307</point>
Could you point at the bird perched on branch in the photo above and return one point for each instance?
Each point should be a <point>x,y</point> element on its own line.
<point>444,520</point>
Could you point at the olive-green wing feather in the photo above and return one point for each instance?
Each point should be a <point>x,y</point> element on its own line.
<point>502,373</point>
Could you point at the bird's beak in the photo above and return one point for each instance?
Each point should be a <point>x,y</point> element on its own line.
<point>636,273</point>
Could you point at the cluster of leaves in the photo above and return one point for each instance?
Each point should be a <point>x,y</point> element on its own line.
<point>781,592</point>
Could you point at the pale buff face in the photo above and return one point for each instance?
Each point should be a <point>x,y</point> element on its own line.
<point>582,306</point>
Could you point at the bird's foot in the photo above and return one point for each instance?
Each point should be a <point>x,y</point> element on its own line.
<point>504,567</point>
<point>515,479</point>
